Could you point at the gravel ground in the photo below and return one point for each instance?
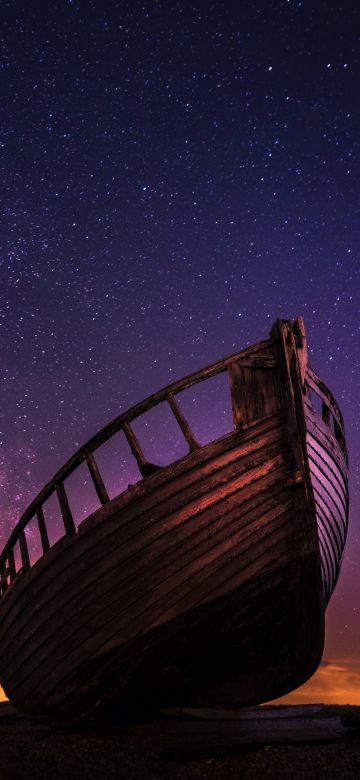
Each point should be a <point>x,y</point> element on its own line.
<point>37,749</point>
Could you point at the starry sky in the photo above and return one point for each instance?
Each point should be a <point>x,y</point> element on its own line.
<point>175,176</point>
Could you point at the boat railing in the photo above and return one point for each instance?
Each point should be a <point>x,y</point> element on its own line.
<point>326,407</point>
<point>8,568</point>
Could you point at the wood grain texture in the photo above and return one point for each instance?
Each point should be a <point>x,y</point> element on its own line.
<point>204,578</point>
<point>328,471</point>
<point>200,535</point>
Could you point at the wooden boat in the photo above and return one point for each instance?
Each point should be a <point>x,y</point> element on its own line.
<point>207,581</point>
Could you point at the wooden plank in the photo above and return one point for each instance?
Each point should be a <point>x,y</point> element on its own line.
<point>318,453</point>
<point>12,568</point>
<point>244,713</point>
<point>145,468</point>
<point>324,477</point>
<point>328,576</point>
<point>332,534</point>
<point>96,477</point>
<point>126,551</point>
<point>98,632</point>
<point>199,739</point>
<point>42,529</point>
<point>301,348</point>
<point>328,548</point>
<point>325,393</point>
<point>140,516</point>
<point>130,578</point>
<point>296,425</point>
<point>109,585</point>
<point>253,409</point>
<point>267,390</point>
<point>186,595</point>
<point>24,551</point>
<point>124,562</point>
<point>66,513</point>
<point>240,638</point>
<point>326,397</point>
<point>128,510</point>
<point>238,395</point>
<point>157,504</point>
<point>115,425</point>
<point>182,422</point>
<point>332,516</point>
<point>322,434</point>
<point>4,574</point>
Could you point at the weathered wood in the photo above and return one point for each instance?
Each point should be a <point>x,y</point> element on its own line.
<point>12,568</point>
<point>90,652</point>
<point>142,581</point>
<point>42,529</point>
<point>24,551</point>
<point>323,435</point>
<point>117,424</point>
<point>256,392</point>
<point>244,713</point>
<point>66,513</point>
<point>4,574</point>
<point>145,467</point>
<point>96,477</point>
<point>56,617</point>
<point>130,510</point>
<point>182,422</point>
<point>152,544</point>
<point>238,395</point>
<point>326,396</point>
<point>301,344</point>
<point>200,552</point>
<point>334,472</point>
<point>192,740</point>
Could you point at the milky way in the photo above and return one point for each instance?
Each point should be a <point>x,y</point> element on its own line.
<point>175,176</point>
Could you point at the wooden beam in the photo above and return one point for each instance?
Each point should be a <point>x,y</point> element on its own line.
<point>301,348</point>
<point>96,477</point>
<point>145,467</point>
<point>25,559</point>
<point>66,513</point>
<point>12,567</point>
<point>42,529</point>
<point>4,573</point>
<point>250,356</point>
<point>182,422</point>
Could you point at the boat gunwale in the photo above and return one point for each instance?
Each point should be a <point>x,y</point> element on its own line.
<point>312,381</point>
<point>115,425</point>
<point>139,491</point>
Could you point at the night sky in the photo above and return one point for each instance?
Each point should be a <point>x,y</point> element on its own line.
<point>175,176</point>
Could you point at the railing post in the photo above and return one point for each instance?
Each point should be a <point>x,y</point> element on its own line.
<point>12,568</point>
<point>183,423</point>
<point>67,517</point>
<point>96,477</point>
<point>3,577</point>
<point>145,467</point>
<point>42,529</point>
<point>24,551</point>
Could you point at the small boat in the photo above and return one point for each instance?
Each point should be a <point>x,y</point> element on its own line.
<point>207,581</point>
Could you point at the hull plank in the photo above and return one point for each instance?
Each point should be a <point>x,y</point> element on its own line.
<point>328,473</point>
<point>142,513</point>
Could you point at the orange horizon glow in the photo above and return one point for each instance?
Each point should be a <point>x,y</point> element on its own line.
<point>335,682</point>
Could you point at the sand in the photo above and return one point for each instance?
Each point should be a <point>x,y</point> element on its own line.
<point>38,748</point>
